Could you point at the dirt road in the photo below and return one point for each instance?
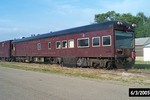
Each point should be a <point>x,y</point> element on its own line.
<point>27,85</point>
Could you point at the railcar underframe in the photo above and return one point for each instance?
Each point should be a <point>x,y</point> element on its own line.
<point>94,62</point>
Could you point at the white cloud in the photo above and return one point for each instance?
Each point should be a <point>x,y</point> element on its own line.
<point>8,26</point>
<point>10,31</point>
<point>4,21</point>
<point>76,15</point>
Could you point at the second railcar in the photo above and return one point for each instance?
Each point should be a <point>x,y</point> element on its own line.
<point>5,50</point>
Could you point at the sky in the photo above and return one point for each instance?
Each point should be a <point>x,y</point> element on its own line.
<point>23,18</point>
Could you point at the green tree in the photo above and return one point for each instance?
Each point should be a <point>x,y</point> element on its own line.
<point>143,25</point>
<point>142,21</point>
<point>110,15</point>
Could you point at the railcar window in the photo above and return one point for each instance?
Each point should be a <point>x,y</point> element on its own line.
<point>58,45</point>
<point>96,41</point>
<point>2,44</point>
<point>13,47</point>
<point>39,46</point>
<point>124,39</point>
<point>71,43</point>
<point>83,42</point>
<point>106,40</point>
<point>64,44</point>
<point>49,45</point>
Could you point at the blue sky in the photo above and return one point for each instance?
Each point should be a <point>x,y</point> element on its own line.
<point>21,18</point>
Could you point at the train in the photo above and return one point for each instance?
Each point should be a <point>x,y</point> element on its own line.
<point>109,44</point>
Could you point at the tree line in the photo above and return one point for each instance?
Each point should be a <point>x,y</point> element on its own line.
<point>140,19</point>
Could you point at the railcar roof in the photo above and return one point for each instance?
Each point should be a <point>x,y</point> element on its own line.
<point>82,29</point>
<point>6,41</point>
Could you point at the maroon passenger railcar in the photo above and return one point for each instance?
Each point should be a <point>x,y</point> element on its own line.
<point>106,45</point>
<point>5,50</point>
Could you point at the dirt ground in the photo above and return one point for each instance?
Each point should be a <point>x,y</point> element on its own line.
<point>136,76</point>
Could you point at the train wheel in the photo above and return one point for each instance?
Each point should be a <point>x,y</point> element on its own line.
<point>62,64</point>
<point>79,62</point>
<point>109,65</point>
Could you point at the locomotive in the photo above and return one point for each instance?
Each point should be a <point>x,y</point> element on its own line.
<point>109,44</point>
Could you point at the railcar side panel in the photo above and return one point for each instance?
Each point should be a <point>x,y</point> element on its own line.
<point>30,48</point>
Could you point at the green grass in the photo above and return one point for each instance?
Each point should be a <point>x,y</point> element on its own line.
<point>17,66</point>
<point>142,65</point>
<point>77,72</point>
<point>70,72</point>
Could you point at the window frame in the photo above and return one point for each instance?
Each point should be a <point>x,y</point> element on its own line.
<point>99,41</point>
<point>66,45</point>
<point>83,46</point>
<point>38,46</point>
<point>49,45</point>
<point>60,44</point>
<point>69,43</point>
<point>3,45</point>
<point>103,40</point>
<point>13,47</point>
